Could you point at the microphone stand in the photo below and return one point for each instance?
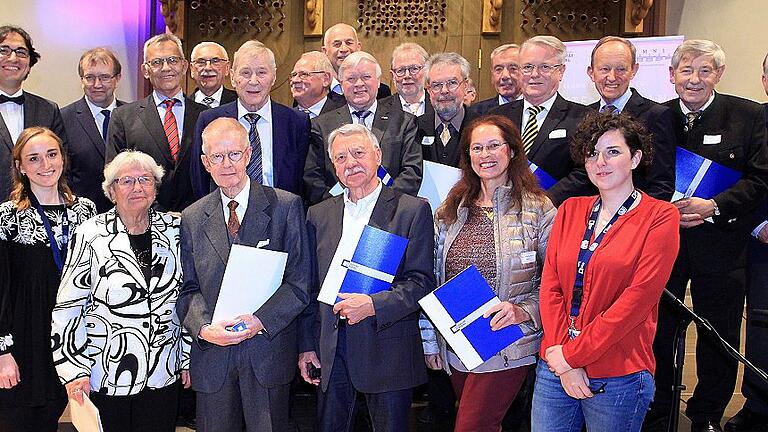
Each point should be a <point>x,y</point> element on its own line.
<point>685,317</point>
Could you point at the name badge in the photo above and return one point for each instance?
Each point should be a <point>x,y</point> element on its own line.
<point>528,257</point>
<point>262,244</point>
<point>557,133</point>
<point>712,139</point>
<point>427,140</point>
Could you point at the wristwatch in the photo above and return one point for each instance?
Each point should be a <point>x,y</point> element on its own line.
<point>717,209</point>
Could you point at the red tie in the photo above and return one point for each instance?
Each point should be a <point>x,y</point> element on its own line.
<point>170,128</point>
<point>233,225</point>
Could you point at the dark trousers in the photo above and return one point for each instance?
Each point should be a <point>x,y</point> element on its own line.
<point>243,403</point>
<point>388,411</point>
<point>756,342</point>
<point>484,398</point>
<point>150,410</point>
<point>45,418</point>
<point>719,298</point>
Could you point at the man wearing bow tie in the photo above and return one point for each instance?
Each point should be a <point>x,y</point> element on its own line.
<point>20,109</point>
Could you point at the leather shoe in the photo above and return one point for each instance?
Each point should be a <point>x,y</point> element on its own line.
<point>747,421</point>
<point>709,426</point>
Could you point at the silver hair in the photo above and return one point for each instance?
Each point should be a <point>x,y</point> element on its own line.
<point>349,130</point>
<point>409,47</point>
<point>550,42</point>
<point>254,48</point>
<point>502,48</point>
<point>163,37</point>
<point>697,48</point>
<point>223,123</point>
<point>130,158</point>
<point>209,44</point>
<point>354,59</point>
<point>447,58</point>
<point>607,39</point>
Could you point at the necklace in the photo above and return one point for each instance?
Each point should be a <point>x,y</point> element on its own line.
<point>488,211</point>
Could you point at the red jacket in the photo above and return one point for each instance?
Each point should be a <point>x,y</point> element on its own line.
<point>622,286</point>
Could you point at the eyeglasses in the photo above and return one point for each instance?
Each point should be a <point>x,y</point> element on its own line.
<point>544,69</point>
<point>452,85</point>
<point>218,158</point>
<point>413,70</point>
<point>91,79</point>
<point>129,182</point>
<point>304,74</point>
<point>491,147</point>
<point>157,63</point>
<point>6,51</point>
<point>214,61</point>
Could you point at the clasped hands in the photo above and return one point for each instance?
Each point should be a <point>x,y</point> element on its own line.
<point>217,333</point>
<point>573,380</point>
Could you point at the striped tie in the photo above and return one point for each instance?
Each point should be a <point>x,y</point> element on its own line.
<point>254,165</point>
<point>171,129</point>
<point>531,128</point>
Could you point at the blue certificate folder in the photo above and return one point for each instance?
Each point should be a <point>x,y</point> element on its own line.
<point>700,177</point>
<point>374,263</point>
<point>546,181</point>
<point>457,307</point>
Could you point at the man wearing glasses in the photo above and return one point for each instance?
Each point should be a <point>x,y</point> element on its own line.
<point>310,81</point>
<point>407,71</point>
<point>86,121</point>
<point>546,120</point>
<point>162,124</point>
<point>210,65</point>
<point>20,109</point>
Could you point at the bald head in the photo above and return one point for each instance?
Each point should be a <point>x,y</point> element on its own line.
<point>339,41</point>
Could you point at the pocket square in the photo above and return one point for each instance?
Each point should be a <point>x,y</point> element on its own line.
<point>262,244</point>
<point>557,133</point>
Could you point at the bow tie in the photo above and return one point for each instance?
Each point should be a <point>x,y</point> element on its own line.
<point>19,100</point>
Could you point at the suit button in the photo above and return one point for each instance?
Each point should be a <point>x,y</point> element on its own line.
<point>732,156</point>
<point>145,324</point>
<point>335,325</point>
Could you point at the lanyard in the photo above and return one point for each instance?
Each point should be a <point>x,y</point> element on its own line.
<point>59,253</point>
<point>586,249</point>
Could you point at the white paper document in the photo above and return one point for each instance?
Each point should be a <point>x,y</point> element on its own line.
<point>437,181</point>
<point>85,417</point>
<point>252,276</point>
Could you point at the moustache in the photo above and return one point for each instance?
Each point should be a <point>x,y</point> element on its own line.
<point>354,170</point>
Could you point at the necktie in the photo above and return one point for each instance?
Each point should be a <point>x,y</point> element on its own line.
<point>171,129</point>
<point>105,123</point>
<point>233,225</point>
<point>690,119</point>
<point>531,127</point>
<point>610,109</point>
<point>19,100</point>
<point>445,134</point>
<point>209,101</point>
<point>307,111</point>
<point>254,169</point>
<point>361,116</point>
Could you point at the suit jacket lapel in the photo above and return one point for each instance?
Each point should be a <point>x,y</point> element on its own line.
<point>5,135</point>
<point>151,119</point>
<point>335,223</point>
<point>384,209</point>
<point>31,112</point>
<point>215,228</point>
<point>253,227</point>
<point>85,118</point>
<point>191,111</point>
<point>554,117</point>
<point>381,120</point>
<point>279,144</point>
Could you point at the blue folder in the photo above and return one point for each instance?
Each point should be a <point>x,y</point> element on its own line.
<point>546,181</point>
<point>375,262</point>
<point>712,177</point>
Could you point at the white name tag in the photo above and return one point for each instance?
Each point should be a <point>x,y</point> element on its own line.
<point>427,140</point>
<point>712,139</point>
<point>557,133</point>
<point>263,244</point>
<point>528,257</point>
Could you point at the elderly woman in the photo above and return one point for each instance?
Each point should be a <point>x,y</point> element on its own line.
<point>608,260</point>
<point>116,335</point>
<point>34,231</point>
<point>497,218</point>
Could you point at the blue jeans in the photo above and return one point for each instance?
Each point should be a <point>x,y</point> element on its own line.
<point>621,407</point>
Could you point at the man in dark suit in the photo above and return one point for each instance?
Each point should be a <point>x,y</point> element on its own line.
<point>408,60</point>
<point>753,416</point>
<point>210,65</point>
<point>612,68</point>
<point>310,81</point>
<point>20,109</point>
<point>278,135</point>
<point>395,130</point>
<point>366,344</point>
<point>161,124</point>
<point>440,128</point>
<point>505,77</point>
<point>339,41</point>
<point>241,376</point>
<point>713,255</point>
<point>546,120</point>
<point>86,121</point>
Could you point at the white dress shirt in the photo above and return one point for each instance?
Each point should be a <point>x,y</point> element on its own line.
<point>216,96</point>
<point>369,119</point>
<point>98,117</point>
<point>242,202</point>
<point>315,109</point>
<point>13,116</point>
<point>421,105</point>
<point>264,127</point>
<point>542,114</point>
<point>357,215</point>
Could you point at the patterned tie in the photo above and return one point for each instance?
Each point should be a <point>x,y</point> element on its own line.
<point>233,226</point>
<point>254,165</point>
<point>531,128</point>
<point>610,109</point>
<point>361,116</point>
<point>307,112</point>
<point>171,129</point>
<point>105,124</point>
<point>209,101</point>
<point>690,119</point>
<point>445,134</point>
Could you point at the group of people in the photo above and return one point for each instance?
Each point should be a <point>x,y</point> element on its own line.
<point>121,218</point>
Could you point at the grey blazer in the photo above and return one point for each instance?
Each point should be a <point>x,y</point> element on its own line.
<point>273,215</point>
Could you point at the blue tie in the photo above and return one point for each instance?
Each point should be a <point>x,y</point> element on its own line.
<point>361,116</point>
<point>105,124</point>
<point>254,169</point>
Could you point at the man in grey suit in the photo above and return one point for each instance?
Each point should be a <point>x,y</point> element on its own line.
<point>241,377</point>
<point>86,121</point>
<point>366,344</point>
<point>395,130</point>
